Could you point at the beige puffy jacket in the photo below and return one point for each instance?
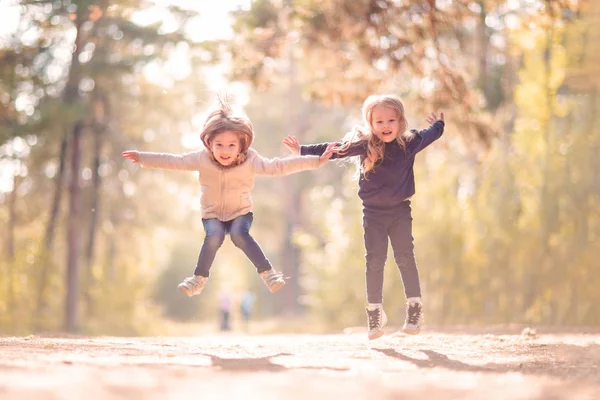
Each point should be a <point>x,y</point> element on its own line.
<point>225,191</point>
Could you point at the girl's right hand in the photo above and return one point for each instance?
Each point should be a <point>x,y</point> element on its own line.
<point>329,151</point>
<point>133,155</point>
<point>434,117</point>
<point>292,144</point>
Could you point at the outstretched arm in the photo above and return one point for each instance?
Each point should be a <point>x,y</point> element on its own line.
<point>355,149</point>
<point>182,162</point>
<point>286,166</point>
<point>433,132</point>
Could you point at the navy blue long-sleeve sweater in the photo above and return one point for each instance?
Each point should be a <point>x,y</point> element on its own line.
<point>392,181</point>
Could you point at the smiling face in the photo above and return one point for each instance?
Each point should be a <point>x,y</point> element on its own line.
<point>225,147</point>
<point>385,123</point>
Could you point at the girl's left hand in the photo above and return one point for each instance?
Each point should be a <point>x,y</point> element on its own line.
<point>433,117</point>
<point>327,153</point>
<point>292,144</point>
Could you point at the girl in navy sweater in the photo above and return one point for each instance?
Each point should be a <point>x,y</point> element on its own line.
<point>385,153</point>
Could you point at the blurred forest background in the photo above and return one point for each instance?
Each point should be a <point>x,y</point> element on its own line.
<point>507,210</point>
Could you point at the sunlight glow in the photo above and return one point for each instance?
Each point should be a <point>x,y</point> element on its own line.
<point>10,165</point>
<point>7,171</point>
<point>212,23</point>
<point>191,140</point>
<point>9,20</point>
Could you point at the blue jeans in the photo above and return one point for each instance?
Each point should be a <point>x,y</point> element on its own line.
<point>395,225</point>
<point>239,231</point>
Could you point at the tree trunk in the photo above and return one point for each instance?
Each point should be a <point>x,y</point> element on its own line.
<point>482,51</point>
<point>57,197</point>
<point>73,232</point>
<point>291,253</point>
<point>94,206</point>
<point>70,96</point>
<point>292,196</point>
<point>10,251</point>
<point>112,251</point>
<point>51,228</point>
<point>98,129</point>
<point>12,217</point>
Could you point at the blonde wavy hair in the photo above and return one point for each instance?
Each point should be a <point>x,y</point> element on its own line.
<point>375,147</point>
<point>223,119</point>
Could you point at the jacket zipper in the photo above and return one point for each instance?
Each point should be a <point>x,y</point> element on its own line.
<point>222,217</point>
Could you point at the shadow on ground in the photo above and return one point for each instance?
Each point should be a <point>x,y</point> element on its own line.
<point>251,364</point>
<point>557,360</point>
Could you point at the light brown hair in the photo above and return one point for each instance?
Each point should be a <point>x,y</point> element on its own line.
<point>223,119</point>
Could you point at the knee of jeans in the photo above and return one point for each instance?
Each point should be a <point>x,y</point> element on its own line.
<point>240,239</point>
<point>405,259</point>
<point>375,263</point>
<point>214,240</point>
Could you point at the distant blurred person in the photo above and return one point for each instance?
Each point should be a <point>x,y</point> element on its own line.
<point>385,153</point>
<point>247,307</point>
<point>226,169</point>
<point>225,309</point>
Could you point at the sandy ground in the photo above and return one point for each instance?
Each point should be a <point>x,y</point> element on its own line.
<point>433,365</point>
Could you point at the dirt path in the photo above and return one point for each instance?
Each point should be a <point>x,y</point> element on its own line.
<point>429,366</point>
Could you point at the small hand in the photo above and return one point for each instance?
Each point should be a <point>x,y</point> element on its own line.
<point>133,155</point>
<point>292,144</point>
<point>433,117</point>
<point>327,153</point>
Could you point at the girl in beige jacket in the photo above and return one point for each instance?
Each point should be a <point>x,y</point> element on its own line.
<point>226,169</point>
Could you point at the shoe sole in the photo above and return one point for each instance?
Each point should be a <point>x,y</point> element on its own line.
<point>276,286</point>
<point>184,290</point>
<point>377,335</point>
<point>409,332</point>
<point>381,332</point>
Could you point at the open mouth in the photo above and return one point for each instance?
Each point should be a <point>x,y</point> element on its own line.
<point>387,133</point>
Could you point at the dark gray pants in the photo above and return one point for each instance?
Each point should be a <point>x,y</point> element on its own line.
<point>239,230</point>
<point>395,224</point>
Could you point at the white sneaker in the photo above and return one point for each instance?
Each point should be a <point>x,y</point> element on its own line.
<point>273,280</point>
<point>192,285</point>
<point>414,317</point>
<point>376,320</point>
